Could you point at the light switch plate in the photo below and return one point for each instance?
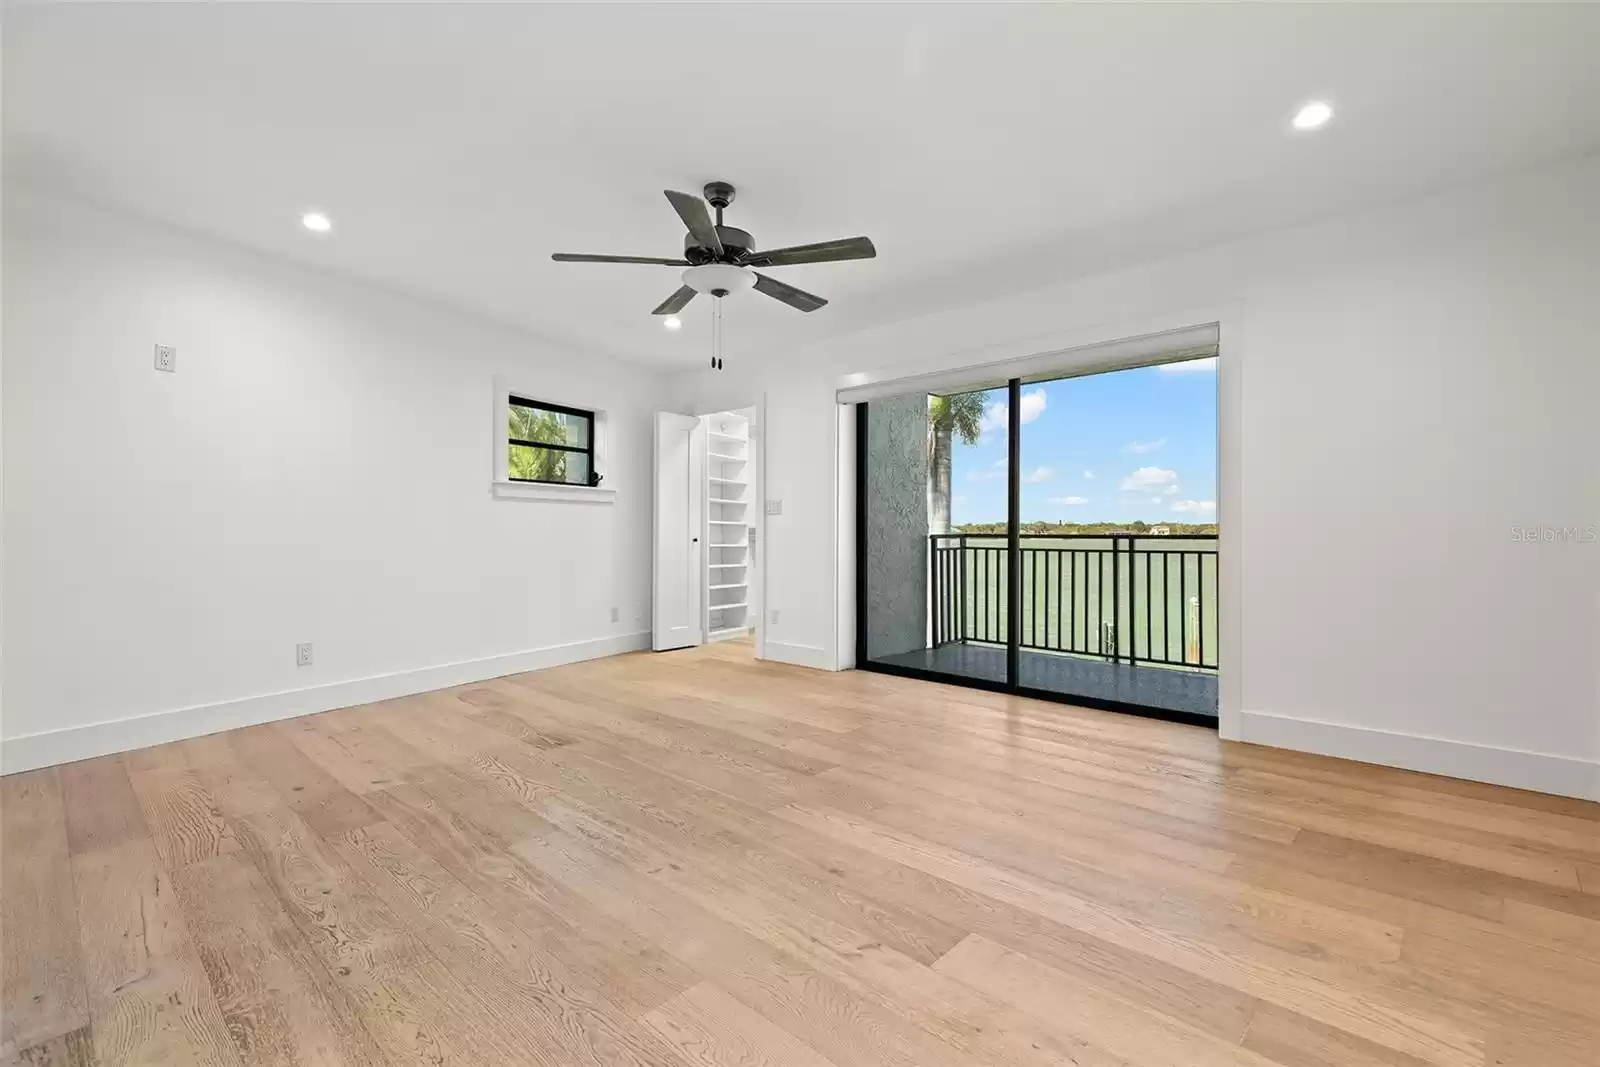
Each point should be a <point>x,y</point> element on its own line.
<point>774,507</point>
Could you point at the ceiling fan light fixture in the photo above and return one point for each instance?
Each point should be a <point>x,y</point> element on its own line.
<point>719,279</point>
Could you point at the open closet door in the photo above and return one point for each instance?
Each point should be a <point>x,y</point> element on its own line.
<point>677,616</point>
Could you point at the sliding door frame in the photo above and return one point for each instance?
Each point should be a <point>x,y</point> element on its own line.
<point>1012,684</point>
<point>1013,532</point>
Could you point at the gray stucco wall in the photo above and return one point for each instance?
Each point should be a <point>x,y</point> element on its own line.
<point>897,525</point>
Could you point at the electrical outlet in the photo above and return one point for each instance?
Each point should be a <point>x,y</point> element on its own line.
<point>167,358</point>
<point>774,616</point>
<point>615,614</point>
<point>302,654</point>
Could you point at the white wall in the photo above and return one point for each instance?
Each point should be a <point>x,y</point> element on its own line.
<point>1401,388</point>
<point>318,469</point>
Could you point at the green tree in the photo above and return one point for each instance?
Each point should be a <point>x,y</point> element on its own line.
<point>539,464</point>
<point>960,414</point>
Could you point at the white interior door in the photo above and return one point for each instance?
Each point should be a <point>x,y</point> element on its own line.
<point>676,613</point>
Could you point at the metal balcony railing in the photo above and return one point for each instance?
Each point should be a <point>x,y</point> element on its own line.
<point>1133,598</point>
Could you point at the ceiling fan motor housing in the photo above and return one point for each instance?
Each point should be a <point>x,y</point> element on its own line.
<point>735,243</point>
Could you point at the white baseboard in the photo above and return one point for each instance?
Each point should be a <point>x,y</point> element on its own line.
<point>123,735</point>
<point>1538,771</point>
<point>800,655</point>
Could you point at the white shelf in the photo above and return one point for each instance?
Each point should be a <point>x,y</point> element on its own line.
<point>728,452</point>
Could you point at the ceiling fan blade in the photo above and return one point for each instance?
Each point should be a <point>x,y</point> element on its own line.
<point>674,303</point>
<point>795,298</point>
<point>692,210</point>
<point>576,257</point>
<point>821,252</point>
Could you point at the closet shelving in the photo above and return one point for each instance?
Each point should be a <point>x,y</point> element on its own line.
<point>728,520</point>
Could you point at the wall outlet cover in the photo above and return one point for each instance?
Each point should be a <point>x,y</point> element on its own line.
<point>167,358</point>
<point>302,654</point>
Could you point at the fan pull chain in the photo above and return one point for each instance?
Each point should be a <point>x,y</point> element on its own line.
<point>716,333</point>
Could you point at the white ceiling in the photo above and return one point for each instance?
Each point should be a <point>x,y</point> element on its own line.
<point>982,147</point>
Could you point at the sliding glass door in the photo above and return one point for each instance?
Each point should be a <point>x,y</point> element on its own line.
<point>1050,537</point>
<point>921,593</point>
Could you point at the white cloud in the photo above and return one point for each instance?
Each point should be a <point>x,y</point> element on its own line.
<point>1155,500</point>
<point>1038,475</point>
<point>1139,448</point>
<point>1088,474</point>
<point>996,417</point>
<point>1149,478</point>
<point>1191,366</point>
<point>1194,506</point>
<point>1069,501</point>
<point>1172,490</point>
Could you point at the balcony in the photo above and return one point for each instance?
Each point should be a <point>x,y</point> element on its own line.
<point>1122,618</point>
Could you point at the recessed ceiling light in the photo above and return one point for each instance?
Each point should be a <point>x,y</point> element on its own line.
<point>316,222</point>
<point>672,322</point>
<point>1313,116</point>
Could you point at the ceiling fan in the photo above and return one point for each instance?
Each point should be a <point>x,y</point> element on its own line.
<point>721,259</point>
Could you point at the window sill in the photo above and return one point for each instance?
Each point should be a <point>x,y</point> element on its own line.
<point>578,494</point>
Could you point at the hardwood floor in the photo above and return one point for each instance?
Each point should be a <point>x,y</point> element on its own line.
<point>695,859</point>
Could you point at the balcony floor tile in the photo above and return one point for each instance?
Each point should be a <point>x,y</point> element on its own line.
<point>1165,688</point>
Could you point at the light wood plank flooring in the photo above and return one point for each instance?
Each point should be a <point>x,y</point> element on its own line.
<point>694,859</point>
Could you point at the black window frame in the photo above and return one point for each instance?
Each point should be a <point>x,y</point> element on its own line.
<point>514,401</point>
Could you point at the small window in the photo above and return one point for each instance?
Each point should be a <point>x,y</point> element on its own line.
<point>552,444</point>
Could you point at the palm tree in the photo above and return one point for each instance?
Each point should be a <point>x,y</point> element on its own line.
<point>537,464</point>
<point>958,414</point>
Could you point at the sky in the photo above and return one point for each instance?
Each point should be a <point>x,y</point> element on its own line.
<point>1115,447</point>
